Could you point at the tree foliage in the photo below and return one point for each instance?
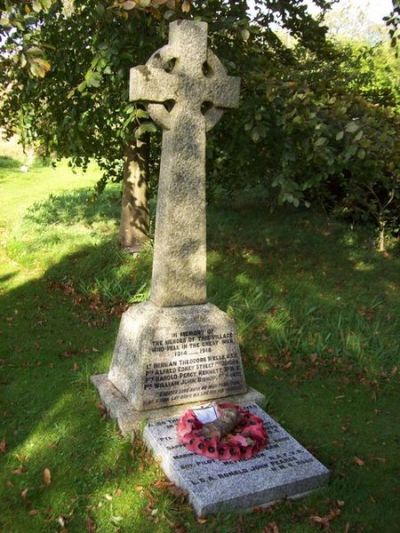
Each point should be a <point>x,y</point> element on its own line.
<point>318,121</point>
<point>65,64</point>
<point>74,101</point>
<point>312,130</point>
<point>393,24</point>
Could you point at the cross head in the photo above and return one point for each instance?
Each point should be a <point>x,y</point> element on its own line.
<point>184,74</point>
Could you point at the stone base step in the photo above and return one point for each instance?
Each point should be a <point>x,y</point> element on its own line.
<point>129,420</point>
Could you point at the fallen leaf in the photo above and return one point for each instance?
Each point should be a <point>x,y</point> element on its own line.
<point>129,4</point>
<point>272,527</point>
<point>46,476</point>
<point>149,508</point>
<point>186,6</point>
<point>163,484</point>
<point>103,411</point>
<point>18,471</point>
<point>358,461</point>
<point>176,491</point>
<point>180,529</point>
<point>3,446</point>
<point>90,525</point>
<point>202,520</point>
<point>33,512</point>
<point>24,493</point>
<point>324,521</point>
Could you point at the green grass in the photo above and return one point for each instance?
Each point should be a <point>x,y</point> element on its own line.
<point>318,316</point>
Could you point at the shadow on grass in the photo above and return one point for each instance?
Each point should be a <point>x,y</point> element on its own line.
<point>306,285</point>
<point>9,162</point>
<point>296,287</point>
<point>7,277</point>
<point>76,206</point>
<point>49,347</point>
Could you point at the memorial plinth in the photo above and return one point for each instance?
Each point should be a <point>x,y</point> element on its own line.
<point>173,355</point>
<point>177,348</point>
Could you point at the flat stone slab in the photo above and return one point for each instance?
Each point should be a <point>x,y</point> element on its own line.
<point>283,470</point>
<point>130,420</point>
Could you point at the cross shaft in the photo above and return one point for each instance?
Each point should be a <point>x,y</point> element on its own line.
<point>177,82</point>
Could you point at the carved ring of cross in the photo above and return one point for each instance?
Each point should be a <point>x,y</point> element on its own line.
<point>162,113</point>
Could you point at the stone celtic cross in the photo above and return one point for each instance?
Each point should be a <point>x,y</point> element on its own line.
<point>186,89</point>
<point>177,349</point>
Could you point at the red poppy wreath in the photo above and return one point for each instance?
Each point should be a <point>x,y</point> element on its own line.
<point>233,433</point>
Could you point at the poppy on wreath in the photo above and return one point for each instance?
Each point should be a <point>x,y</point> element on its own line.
<point>235,435</point>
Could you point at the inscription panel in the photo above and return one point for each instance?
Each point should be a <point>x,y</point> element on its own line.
<point>199,363</point>
<point>283,469</point>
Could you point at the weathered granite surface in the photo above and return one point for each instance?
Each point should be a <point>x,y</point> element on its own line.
<point>283,470</point>
<point>130,420</point>
<point>175,355</point>
<point>187,88</point>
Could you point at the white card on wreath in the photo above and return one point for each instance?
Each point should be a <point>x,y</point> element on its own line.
<point>206,415</point>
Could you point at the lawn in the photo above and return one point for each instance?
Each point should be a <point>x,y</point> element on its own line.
<point>318,317</point>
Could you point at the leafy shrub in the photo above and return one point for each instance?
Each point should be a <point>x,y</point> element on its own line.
<point>317,131</point>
